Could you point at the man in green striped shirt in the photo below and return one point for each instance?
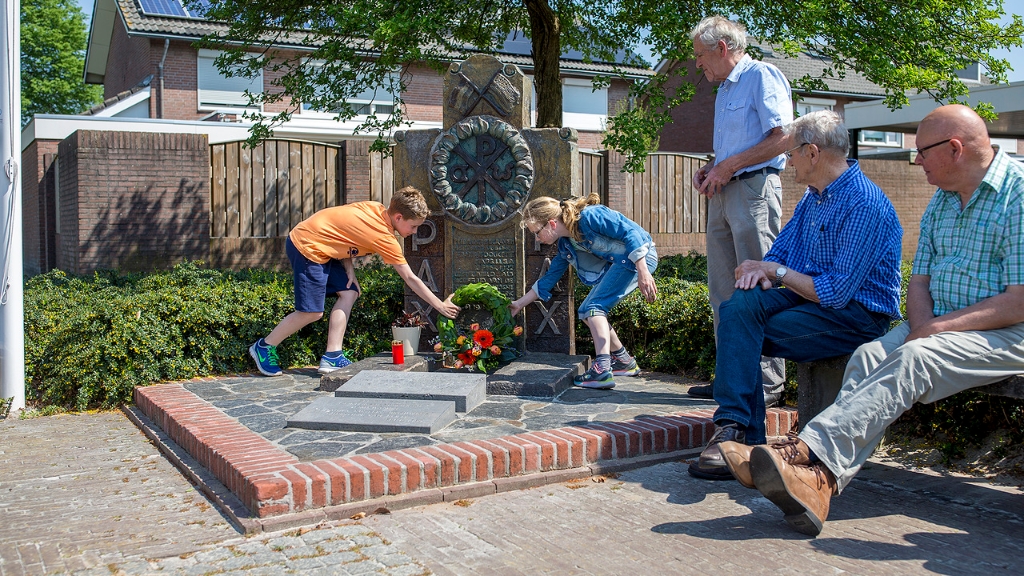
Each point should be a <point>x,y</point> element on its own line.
<point>965,323</point>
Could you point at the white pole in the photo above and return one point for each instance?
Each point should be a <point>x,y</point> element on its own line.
<point>12,306</point>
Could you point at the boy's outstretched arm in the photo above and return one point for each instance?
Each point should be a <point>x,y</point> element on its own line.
<point>446,308</point>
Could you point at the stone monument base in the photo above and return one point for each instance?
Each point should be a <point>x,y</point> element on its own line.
<point>534,374</point>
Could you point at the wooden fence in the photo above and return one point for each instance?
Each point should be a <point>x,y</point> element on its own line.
<point>260,194</point>
<point>592,174</point>
<point>662,200</point>
<point>263,192</point>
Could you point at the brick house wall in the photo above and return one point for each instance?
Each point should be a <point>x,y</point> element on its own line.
<point>179,97</point>
<point>128,62</point>
<point>424,91</point>
<point>37,206</point>
<point>133,201</point>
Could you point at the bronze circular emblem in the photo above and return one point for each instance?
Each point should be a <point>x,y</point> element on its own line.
<point>481,170</point>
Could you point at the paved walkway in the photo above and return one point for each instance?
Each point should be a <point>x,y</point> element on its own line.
<point>89,494</point>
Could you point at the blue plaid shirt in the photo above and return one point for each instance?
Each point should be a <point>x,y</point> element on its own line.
<point>848,238</point>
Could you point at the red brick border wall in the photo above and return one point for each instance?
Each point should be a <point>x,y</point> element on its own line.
<point>270,481</point>
<point>134,201</point>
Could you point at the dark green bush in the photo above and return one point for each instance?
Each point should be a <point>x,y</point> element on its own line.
<point>90,340</point>
<point>675,333</point>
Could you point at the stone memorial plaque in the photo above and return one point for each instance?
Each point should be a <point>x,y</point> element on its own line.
<point>375,415</point>
<point>467,390</point>
<point>492,258</point>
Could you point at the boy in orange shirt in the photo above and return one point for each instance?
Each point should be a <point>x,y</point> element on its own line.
<point>321,249</point>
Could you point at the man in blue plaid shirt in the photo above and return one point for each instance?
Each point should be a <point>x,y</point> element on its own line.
<point>829,283</point>
<point>964,328</point>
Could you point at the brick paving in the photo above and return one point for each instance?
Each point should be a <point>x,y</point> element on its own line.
<point>87,494</point>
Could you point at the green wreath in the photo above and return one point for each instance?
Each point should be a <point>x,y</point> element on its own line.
<point>482,349</point>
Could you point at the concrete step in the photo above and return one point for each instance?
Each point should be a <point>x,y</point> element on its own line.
<point>467,389</point>
<point>375,415</point>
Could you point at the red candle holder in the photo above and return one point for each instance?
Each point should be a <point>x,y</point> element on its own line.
<point>397,352</point>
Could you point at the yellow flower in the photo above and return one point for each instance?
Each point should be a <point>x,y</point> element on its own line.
<point>460,340</point>
<point>517,330</point>
<point>477,351</point>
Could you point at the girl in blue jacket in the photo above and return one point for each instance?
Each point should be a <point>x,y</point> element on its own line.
<point>612,254</point>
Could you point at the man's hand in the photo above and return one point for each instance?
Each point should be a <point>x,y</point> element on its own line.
<point>924,329</point>
<point>712,181</point>
<point>752,273</point>
<point>448,309</point>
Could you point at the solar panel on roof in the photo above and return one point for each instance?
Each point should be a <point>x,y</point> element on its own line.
<point>162,8</point>
<point>197,8</point>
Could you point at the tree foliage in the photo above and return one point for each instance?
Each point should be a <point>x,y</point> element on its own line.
<point>904,46</point>
<point>53,38</point>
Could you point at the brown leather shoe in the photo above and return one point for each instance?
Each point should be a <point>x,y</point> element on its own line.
<point>711,465</point>
<point>802,492</point>
<point>737,459</point>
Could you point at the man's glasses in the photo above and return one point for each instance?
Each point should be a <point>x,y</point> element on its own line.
<point>920,151</point>
<point>789,153</point>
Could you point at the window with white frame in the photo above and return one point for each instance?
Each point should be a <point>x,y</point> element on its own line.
<point>583,108</point>
<point>879,138</point>
<point>379,101</point>
<point>217,91</point>
<point>805,106</point>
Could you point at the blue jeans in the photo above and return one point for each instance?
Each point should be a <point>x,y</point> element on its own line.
<point>782,324</point>
<point>616,284</point>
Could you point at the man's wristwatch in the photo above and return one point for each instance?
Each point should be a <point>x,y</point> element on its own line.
<point>780,273</point>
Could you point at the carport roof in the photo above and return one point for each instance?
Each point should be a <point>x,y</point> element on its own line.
<point>1007,101</point>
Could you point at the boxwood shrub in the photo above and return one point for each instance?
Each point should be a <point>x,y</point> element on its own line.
<point>90,340</point>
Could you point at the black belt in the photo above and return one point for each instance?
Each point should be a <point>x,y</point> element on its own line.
<point>763,171</point>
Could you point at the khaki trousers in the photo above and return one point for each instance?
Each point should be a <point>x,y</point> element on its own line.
<point>885,377</point>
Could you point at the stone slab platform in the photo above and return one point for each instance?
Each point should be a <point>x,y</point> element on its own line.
<point>375,415</point>
<point>466,389</point>
<point>534,374</point>
<point>270,482</point>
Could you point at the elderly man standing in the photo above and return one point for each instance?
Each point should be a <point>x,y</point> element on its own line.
<point>743,187</point>
<point>839,260</point>
<point>965,323</point>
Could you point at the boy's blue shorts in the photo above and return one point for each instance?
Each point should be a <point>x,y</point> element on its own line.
<point>313,281</point>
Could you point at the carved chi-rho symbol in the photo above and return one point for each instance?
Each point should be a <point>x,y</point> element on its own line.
<point>482,168</point>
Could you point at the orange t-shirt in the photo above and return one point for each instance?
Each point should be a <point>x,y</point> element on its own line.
<point>347,231</point>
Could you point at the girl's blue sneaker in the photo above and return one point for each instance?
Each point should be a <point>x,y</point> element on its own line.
<point>594,379</point>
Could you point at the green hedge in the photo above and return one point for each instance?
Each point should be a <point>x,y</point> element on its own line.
<point>675,333</point>
<point>90,340</point>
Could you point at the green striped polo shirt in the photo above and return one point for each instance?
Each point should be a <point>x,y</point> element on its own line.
<point>974,253</point>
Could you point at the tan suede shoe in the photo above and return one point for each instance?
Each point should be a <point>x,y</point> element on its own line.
<point>802,492</point>
<point>737,459</point>
<point>793,450</point>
